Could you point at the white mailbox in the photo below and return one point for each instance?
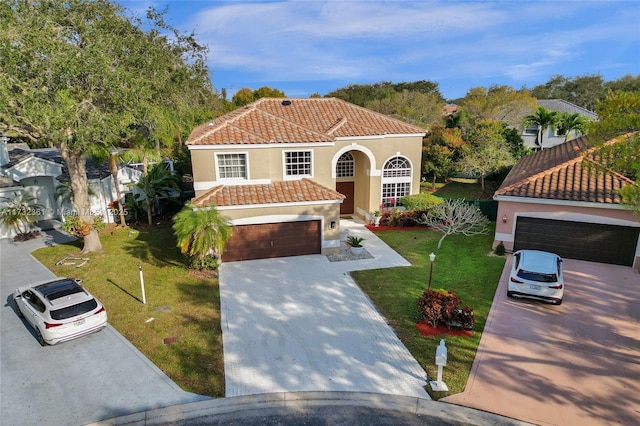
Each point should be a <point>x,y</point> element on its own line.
<point>441,354</point>
<point>441,361</point>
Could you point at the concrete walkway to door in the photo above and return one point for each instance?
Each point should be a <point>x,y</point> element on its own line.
<point>302,324</point>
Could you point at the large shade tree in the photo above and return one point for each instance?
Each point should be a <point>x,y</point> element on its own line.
<point>616,137</point>
<point>82,76</point>
<point>488,152</point>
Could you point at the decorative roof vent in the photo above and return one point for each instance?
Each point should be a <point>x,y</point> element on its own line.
<point>286,102</point>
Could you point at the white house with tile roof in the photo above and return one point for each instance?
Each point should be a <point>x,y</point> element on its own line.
<point>553,136</point>
<point>285,170</point>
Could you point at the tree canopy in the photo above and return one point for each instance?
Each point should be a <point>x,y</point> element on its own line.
<point>362,94</point>
<point>585,91</point>
<point>497,103</point>
<point>619,118</point>
<point>245,95</point>
<point>82,76</point>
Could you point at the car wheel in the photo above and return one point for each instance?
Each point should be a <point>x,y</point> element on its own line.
<point>18,311</point>
<point>558,302</point>
<point>509,293</point>
<point>39,337</point>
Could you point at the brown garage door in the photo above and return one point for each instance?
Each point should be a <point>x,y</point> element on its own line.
<point>273,240</point>
<point>578,240</point>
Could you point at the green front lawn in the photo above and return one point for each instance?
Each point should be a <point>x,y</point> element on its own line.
<point>469,189</point>
<point>187,307</point>
<point>464,265</point>
<point>178,304</point>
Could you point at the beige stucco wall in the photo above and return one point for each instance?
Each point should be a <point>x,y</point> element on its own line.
<point>509,210</point>
<point>266,164</point>
<point>325,212</point>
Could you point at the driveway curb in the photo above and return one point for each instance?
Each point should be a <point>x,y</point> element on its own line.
<point>247,406</point>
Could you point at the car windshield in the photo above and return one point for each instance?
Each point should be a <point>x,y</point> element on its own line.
<point>537,276</point>
<point>74,310</point>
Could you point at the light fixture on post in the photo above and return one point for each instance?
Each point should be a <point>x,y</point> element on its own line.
<point>504,218</point>
<point>432,257</point>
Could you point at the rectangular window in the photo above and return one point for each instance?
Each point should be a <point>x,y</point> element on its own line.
<point>533,130</point>
<point>392,193</point>
<point>232,166</point>
<point>297,163</point>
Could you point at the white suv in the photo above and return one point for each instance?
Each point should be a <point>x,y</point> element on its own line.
<point>537,275</point>
<point>59,310</point>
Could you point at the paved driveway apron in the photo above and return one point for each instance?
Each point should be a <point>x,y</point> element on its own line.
<point>91,378</point>
<point>302,324</point>
<point>574,364</point>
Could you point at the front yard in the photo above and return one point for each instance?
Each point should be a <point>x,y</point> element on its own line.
<point>185,309</point>
<point>464,265</point>
<point>179,305</point>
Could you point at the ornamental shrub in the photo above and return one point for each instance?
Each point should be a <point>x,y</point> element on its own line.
<point>444,306</point>
<point>422,201</point>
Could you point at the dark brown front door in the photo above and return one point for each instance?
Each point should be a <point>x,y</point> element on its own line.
<point>346,189</point>
<point>270,240</point>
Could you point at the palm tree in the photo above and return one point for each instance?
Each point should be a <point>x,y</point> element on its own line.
<point>201,232</point>
<point>543,118</point>
<point>20,212</point>
<point>572,121</point>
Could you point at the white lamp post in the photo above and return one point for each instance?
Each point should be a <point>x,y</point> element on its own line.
<point>432,257</point>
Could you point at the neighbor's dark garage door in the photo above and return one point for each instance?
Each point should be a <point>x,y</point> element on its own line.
<point>273,240</point>
<point>578,240</point>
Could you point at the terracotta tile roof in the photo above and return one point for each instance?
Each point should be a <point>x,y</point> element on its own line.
<point>278,120</point>
<point>558,173</point>
<point>304,190</point>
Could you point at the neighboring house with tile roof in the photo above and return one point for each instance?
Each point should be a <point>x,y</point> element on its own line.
<point>38,172</point>
<point>553,136</point>
<point>285,170</point>
<point>552,201</point>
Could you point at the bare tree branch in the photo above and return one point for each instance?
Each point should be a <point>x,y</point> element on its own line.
<point>455,217</point>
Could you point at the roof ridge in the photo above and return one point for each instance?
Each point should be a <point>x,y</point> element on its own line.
<point>545,172</point>
<point>210,127</point>
<point>324,135</point>
<point>566,164</point>
<point>383,116</point>
<point>208,194</point>
<point>335,126</point>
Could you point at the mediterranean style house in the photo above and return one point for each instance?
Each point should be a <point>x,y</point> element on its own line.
<point>284,171</point>
<point>550,201</point>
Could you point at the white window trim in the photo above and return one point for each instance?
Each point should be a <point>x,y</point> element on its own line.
<point>230,180</point>
<point>396,179</point>
<point>285,176</point>
<point>352,161</point>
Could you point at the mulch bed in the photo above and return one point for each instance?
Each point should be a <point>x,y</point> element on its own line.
<point>374,228</point>
<point>426,330</point>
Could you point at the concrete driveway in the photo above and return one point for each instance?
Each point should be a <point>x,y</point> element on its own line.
<point>574,364</point>
<point>302,324</point>
<point>91,378</point>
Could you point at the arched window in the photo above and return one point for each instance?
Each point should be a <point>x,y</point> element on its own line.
<point>345,165</point>
<point>396,181</point>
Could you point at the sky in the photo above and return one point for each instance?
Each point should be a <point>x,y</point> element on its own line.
<point>305,47</point>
